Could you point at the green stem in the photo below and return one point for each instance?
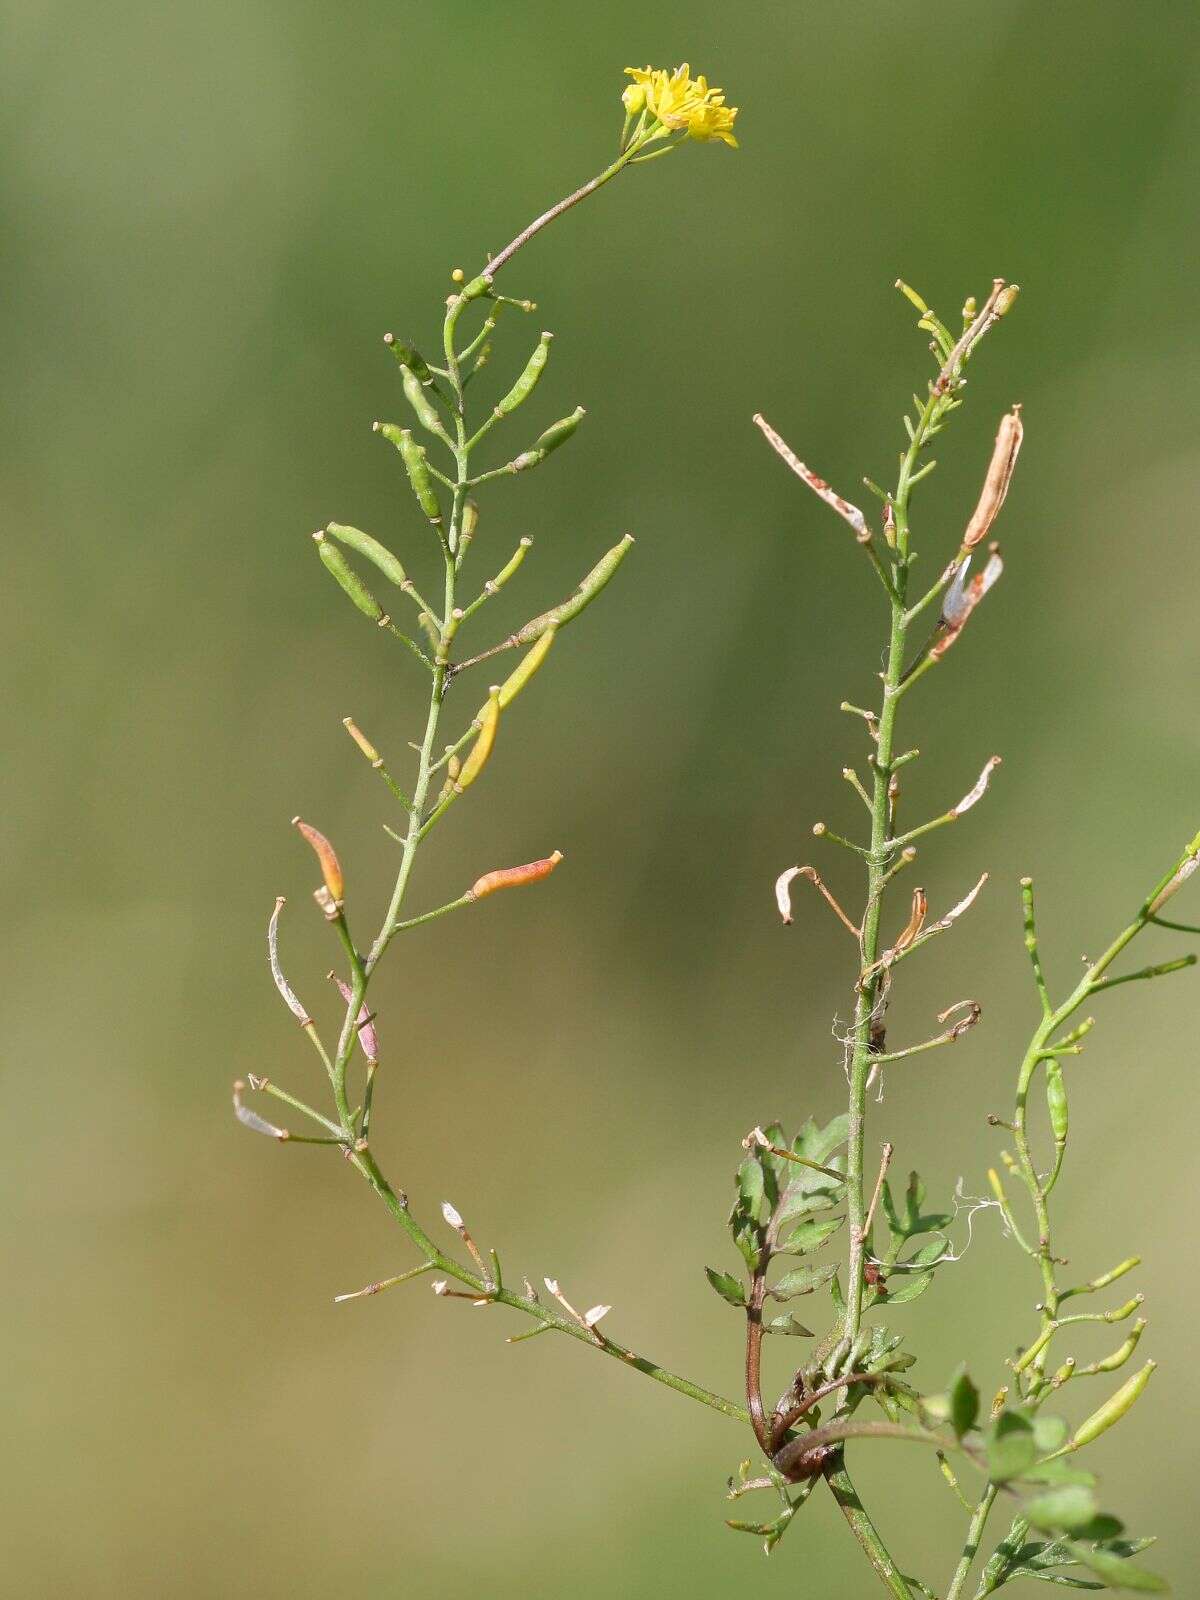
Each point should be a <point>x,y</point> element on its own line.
<point>842,1487</point>
<point>971,1545</point>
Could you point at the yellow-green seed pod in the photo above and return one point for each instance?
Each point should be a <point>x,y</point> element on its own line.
<point>356,539</point>
<point>527,382</point>
<point>1056,1101</point>
<point>482,748</point>
<point>424,407</point>
<point>417,468</point>
<point>558,432</point>
<point>1122,1354</point>
<point>530,662</point>
<point>347,578</point>
<point>911,295</point>
<point>1006,299</point>
<point>361,740</point>
<point>587,591</point>
<point>1109,1413</point>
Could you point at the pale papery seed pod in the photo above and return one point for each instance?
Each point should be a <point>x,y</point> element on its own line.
<point>999,475</point>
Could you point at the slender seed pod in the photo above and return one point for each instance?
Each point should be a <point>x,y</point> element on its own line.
<point>587,591</point>
<point>482,748</point>
<point>513,877</point>
<point>361,740</point>
<point>331,868</point>
<point>530,662</point>
<point>559,432</point>
<point>348,579</point>
<point>417,468</point>
<point>1056,1101</point>
<point>999,475</point>
<point>527,382</point>
<point>1119,1356</point>
<point>410,358</point>
<point>365,545</point>
<point>1109,1413</point>
<point>424,407</point>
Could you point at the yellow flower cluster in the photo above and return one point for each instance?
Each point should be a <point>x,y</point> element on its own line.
<point>680,101</point>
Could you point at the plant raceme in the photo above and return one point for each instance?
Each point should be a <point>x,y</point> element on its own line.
<point>816,1221</point>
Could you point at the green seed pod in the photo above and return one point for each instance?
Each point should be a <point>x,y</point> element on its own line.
<point>587,591</point>
<point>348,578</point>
<point>520,676</point>
<point>1056,1101</point>
<point>527,382</point>
<point>424,407</point>
<point>417,468</point>
<point>1109,1413</point>
<point>1121,1355</point>
<point>408,357</point>
<point>559,432</point>
<point>371,548</point>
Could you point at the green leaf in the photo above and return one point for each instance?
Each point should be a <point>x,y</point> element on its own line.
<point>727,1286</point>
<point>808,1236</point>
<point>1116,1572</point>
<point>964,1403</point>
<point>1068,1509</point>
<point>836,1295</point>
<point>788,1324</point>
<point>1011,1449</point>
<point>802,1280</point>
<point>908,1287</point>
<point>818,1144</point>
<point>914,1199</point>
<point>928,1254</point>
<point>751,1186</point>
<point>1049,1433</point>
<point>895,1226</point>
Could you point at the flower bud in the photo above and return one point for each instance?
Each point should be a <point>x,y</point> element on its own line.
<point>513,877</point>
<point>331,869</point>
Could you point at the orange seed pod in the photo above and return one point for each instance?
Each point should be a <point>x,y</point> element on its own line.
<point>513,877</point>
<point>331,867</point>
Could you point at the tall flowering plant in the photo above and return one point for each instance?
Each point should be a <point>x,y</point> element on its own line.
<point>797,1197</point>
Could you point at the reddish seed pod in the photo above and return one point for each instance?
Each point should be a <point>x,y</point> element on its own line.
<point>331,868</point>
<point>513,877</point>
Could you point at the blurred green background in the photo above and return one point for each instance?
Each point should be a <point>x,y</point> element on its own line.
<point>213,212</point>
